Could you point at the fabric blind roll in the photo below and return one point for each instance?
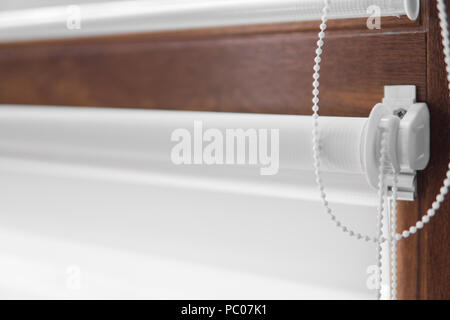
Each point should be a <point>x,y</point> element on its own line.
<point>137,146</point>
<point>143,16</point>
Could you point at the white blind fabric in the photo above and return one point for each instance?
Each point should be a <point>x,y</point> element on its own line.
<point>135,146</point>
<point>93,207</point>
<point>66,19</point>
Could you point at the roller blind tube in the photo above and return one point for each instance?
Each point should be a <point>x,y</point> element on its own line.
<point>143,146</point>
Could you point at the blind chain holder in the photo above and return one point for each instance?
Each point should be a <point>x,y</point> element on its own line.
<point>408,149</point>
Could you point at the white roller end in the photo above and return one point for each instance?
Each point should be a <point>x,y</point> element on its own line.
<point>412,8</point>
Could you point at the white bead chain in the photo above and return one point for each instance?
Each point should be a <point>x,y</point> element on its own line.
<point>316,139</point>
<point>444,190</point>
<point>419,225</point>
<point>394,237</point>
<point>316,148</point>
<point>445,38</point>
<point>393,240</point>
<point>381,192</point>
<point>430,213</point>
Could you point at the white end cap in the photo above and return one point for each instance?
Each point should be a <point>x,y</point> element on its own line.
<point>412,8</point>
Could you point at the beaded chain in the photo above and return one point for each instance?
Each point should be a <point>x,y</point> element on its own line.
<point>442,10</point>
<point>381,192</point>
<point>444,190</point>
<point>393,237</point>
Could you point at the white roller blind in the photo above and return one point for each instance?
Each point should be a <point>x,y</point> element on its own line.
<point>56,19</point>
<point>136,146</point>
<point>93,192</point>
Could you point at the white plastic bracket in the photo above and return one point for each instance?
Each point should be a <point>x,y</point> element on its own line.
<point>408,123</point>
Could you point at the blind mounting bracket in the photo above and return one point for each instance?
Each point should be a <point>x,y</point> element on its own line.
<point>409,141</point>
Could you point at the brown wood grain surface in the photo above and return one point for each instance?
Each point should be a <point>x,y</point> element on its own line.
<point>264,69</point>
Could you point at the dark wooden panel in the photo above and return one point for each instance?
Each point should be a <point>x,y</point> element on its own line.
<point>425,257</point>
<point>269,73</point>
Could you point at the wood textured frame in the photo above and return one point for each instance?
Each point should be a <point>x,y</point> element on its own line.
<point>265,69</point>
